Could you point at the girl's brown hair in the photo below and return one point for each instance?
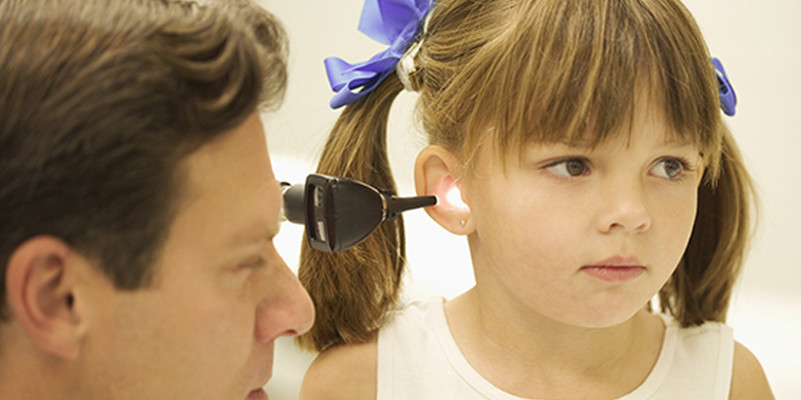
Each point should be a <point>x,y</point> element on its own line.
<point>541,71</point>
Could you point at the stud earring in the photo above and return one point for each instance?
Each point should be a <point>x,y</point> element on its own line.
<point>462,223</point>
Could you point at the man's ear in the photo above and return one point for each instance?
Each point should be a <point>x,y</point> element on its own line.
<point>41,279</point>
<point>437,171</point>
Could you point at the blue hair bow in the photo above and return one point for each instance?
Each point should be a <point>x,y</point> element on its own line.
<point>392,22</point>
<point>728,100</point>
<point>397,23</point>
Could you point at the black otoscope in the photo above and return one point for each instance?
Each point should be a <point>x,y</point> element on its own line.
<point>340,213</point>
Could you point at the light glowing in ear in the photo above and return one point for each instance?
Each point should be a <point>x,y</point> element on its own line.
<point>454,198</point>
<point>450,195</point>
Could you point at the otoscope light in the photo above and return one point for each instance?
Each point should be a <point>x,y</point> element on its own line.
<point>454,198</point>
<point>340,213</point>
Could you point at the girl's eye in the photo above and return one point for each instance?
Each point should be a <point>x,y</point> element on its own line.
<point>571,167</point>
<point>669,168</point>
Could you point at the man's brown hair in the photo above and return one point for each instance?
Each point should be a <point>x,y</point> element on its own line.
<point>99,103</point>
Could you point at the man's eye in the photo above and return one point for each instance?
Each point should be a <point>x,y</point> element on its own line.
<point>571,167</point>
<point>670,168</point>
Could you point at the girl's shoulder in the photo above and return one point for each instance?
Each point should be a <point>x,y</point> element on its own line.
<point>342,372</point>
<point>748,378</point>
<point>352,369</point>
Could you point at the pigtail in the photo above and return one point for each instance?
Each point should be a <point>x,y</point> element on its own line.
<point>353,290</point>
<point>700,288</point>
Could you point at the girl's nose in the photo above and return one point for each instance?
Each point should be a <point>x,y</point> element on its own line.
<point>624,209</point>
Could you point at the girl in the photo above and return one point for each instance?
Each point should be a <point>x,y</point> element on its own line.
<point>591,170</point>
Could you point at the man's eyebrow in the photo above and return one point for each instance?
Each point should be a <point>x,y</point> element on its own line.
<point>255,234</point>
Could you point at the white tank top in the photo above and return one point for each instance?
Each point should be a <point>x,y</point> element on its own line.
<point>418,359</point>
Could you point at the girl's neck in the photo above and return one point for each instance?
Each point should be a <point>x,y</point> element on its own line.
<point>533,356</point>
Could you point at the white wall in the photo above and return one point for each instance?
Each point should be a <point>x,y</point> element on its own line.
<point>758,42</point>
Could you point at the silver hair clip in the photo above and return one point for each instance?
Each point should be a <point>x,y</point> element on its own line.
<point>405,67</point>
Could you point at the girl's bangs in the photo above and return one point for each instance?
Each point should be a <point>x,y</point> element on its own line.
<point>581,83</point>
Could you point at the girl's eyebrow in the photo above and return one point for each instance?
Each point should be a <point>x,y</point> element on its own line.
<point>586,145</point>
<point>676,141</point>
<point>577,144</point>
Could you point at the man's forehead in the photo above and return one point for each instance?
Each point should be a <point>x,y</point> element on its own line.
<point>228,188</point>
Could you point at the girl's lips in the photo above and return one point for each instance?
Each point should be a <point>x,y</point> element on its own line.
<point>614,274</point>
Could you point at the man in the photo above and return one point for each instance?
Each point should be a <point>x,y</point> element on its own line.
<point>137,201</point>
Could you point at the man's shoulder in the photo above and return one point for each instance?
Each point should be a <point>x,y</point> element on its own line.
<point>343,372</point>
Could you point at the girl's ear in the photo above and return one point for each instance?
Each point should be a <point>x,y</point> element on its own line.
<point>438,172</point>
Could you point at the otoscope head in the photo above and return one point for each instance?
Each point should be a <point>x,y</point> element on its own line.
<point>294,210</point>
<point>340,213</point>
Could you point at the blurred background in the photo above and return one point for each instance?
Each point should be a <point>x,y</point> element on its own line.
<point>758,43</point>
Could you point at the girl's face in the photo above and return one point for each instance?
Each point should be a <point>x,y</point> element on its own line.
<point>584,236</point>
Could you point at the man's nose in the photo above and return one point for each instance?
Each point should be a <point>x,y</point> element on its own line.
<point>288,311</point>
